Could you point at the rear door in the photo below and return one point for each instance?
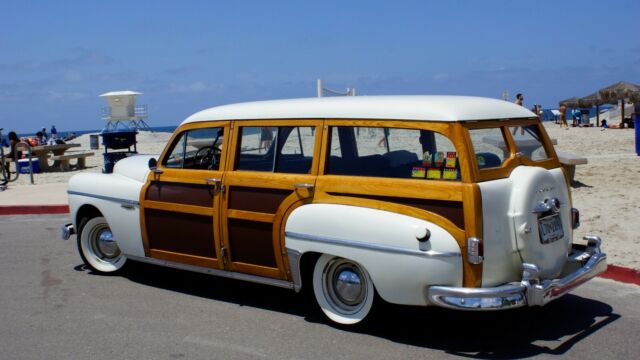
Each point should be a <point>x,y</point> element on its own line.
<point>273,169</point>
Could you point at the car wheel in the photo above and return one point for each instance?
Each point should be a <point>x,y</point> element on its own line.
<point>343,289</point>
<point>98,248</point>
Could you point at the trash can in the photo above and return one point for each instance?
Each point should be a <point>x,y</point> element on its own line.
<point>94,141</point>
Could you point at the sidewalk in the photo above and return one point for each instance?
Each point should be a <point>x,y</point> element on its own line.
<point>34,199</point>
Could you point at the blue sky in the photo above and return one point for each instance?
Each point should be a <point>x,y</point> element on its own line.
<point>56,57</point>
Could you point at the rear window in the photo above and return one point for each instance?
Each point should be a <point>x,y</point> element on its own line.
<point>491,148</point>
<point>392,153</point>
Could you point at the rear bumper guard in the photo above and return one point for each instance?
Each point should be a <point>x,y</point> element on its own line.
<point>584,263</point>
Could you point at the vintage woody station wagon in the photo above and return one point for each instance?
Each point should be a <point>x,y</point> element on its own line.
<point>422,200</point>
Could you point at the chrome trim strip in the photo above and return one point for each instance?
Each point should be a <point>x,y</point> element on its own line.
<point>102,197</point>
<point>215,272</point>
<point>294,266</point>
<point>369,246</point>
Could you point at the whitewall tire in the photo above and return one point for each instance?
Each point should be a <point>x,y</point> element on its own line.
<point>343,289</point>
<point>98,248</point>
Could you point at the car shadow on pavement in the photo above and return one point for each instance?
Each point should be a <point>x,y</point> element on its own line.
<point>553,329</point>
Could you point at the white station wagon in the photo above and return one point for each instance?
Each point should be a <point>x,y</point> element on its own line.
<point>450,201</point>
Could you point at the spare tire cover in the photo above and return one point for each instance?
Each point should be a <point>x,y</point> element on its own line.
<point>532,186</point>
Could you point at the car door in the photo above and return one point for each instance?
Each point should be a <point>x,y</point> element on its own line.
<point>272,169</point>
<point>181,200</point>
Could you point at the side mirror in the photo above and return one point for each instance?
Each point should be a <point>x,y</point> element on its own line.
<point>153,164</point>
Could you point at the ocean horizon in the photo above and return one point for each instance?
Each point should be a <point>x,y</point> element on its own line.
<point>64,133</point>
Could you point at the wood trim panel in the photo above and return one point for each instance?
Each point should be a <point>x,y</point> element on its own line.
<point>184,258</point>
<point>258,270</point>
<point>455,231</point>
<point>182,193</point>
<point>250,215</point>
<point>410,188</point>
<point>190,209</point>
<point>450,210</point>
<point>472,273</point>
<point>253,199</point>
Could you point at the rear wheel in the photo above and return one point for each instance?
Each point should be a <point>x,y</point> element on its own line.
<point>343,289</point>
<point>98,248</point>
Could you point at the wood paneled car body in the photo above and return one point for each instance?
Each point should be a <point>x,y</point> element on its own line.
<point>422,200</point>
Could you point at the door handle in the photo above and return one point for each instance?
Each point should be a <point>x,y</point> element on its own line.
<point>216,183</point>
<point>304,186</point>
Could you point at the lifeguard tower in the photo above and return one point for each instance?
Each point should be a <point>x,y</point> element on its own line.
<point>123,111</point>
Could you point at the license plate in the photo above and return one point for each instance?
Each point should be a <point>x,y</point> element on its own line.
<point>550,228</point>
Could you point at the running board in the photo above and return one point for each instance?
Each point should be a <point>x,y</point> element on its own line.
<point>215,272</point>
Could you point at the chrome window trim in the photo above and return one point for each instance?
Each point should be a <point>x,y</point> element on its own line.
<point>369,246</point>
<point>102,197</point>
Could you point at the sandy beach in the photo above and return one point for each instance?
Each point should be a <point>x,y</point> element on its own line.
<point>607,191</point>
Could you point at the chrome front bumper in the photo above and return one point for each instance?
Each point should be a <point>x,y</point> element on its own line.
<point>66,231</point>
<point>584,263</point>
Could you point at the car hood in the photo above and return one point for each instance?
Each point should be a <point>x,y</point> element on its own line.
<point>134,167</point>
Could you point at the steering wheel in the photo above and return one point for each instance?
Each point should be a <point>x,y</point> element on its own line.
<point>207,157</point>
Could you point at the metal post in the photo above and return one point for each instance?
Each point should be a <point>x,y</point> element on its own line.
<point>319,87</point>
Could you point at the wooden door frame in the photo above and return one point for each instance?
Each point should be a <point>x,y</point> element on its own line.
<point>267,180</point>
<point>191,176</point>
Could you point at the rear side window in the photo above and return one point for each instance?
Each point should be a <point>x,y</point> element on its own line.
<point>283,149</point>
<point>392,153</point>
<point>490,147</point>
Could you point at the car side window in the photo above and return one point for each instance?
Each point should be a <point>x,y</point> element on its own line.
<point>283,149</point>
<point>197,149</point>
<point>393,153</point>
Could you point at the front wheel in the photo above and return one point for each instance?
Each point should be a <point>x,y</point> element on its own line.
<point>343,289</point>
<point>98,248</point>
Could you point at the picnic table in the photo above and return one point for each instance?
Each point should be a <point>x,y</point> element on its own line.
<point>44,152</point>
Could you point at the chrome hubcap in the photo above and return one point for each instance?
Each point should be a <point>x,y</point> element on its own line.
<point>345,286</point>
<point>104,245</point>
<point>348,286</point>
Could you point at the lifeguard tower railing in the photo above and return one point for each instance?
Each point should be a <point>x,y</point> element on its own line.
<point>134,120</point>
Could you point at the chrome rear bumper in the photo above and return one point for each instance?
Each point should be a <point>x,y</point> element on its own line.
<point>584,263</point>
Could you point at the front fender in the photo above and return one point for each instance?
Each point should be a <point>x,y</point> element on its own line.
<point>117,199</point>
<point>385,243</point>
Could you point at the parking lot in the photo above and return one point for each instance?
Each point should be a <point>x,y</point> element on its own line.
<point>53,308</point>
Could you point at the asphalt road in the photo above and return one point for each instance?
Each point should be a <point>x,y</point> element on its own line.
<point>51,307</point>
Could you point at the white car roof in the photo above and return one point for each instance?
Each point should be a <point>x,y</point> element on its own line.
<point>401,107</point>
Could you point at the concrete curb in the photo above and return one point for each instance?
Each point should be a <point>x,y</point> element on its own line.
<point>614,272</point>
<point>33,209</point>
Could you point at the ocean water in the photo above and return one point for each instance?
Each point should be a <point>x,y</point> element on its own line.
<point>64,133</point>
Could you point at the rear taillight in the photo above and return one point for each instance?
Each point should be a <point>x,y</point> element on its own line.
<point>575,218</point>
<point>475,250</point>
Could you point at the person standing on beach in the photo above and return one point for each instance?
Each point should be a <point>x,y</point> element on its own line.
<point>45,136</point>
<point>54,132</point>
<point>563,117</point>
<point>519,101</point>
